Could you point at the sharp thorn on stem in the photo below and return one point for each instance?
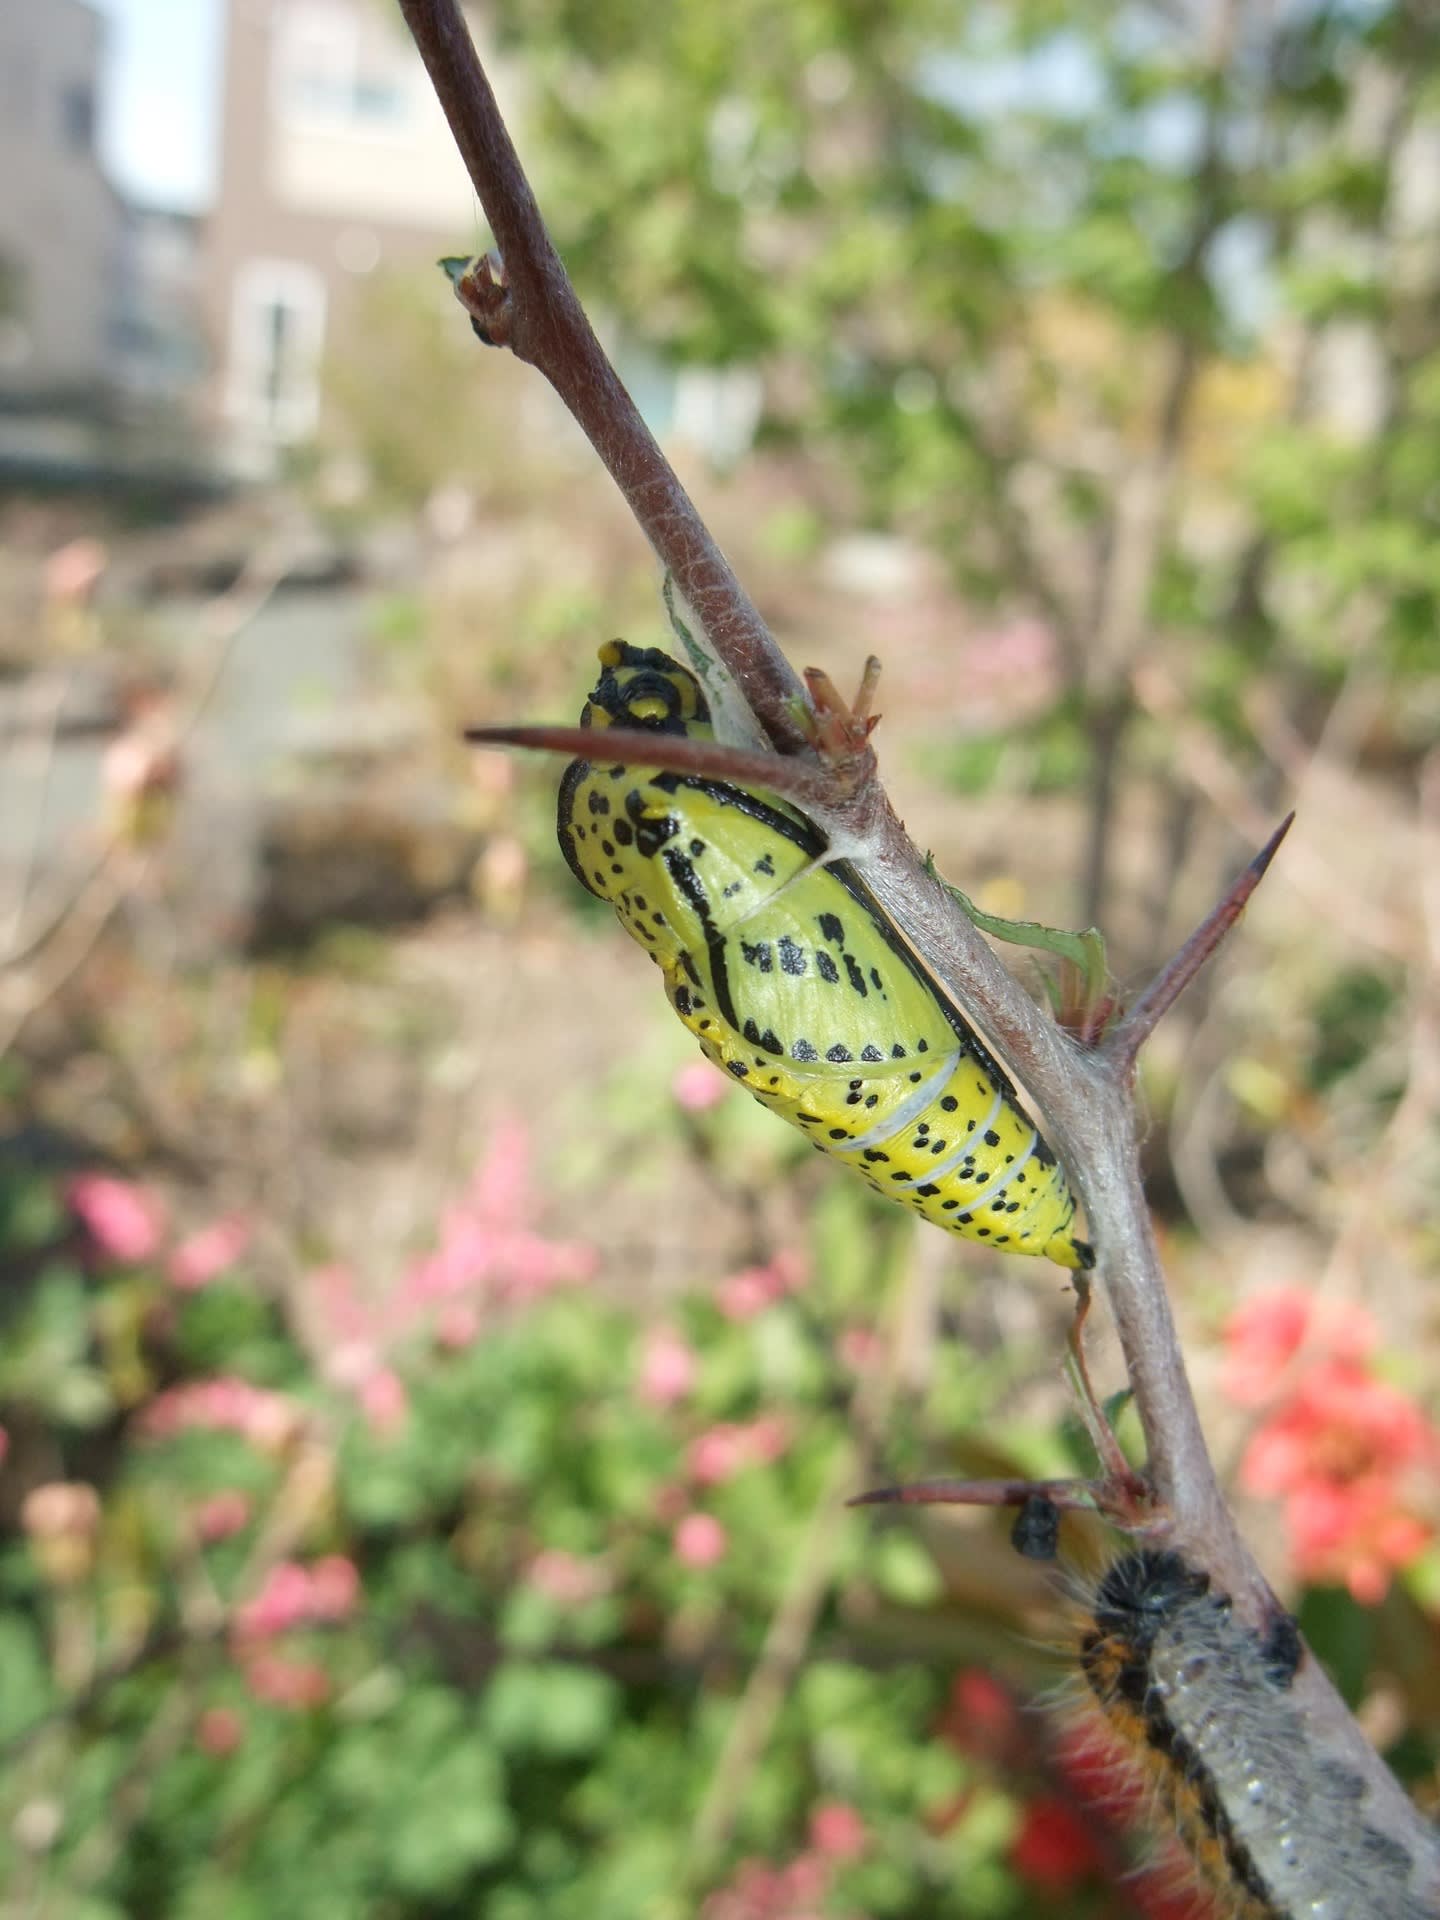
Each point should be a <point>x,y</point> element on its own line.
<point>798,778</point>
<point>1070,1494</point>
<point>1172,980</point>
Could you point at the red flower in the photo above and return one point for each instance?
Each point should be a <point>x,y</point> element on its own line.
<point>1054,1849</point>
<point>1266,1334</point>
<point>983,1718</point>
<point>1339,1451</point>
<point>1338,1444</point>
<point>837,1831</point>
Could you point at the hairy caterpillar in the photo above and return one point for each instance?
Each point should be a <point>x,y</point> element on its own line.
<point>786,970</point>
<point>1203,1705</point>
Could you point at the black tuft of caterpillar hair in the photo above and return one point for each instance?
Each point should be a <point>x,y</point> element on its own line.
<point>1284,1650</point>
<point>1143,1591</point>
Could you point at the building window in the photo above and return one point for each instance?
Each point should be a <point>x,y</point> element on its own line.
<point>277,330</point>
<point>77,118</point>
<point>322,76</point>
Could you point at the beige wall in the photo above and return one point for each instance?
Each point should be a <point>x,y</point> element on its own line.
<point>335,161</point>
<point>395,164</point>
<point>59,220</point>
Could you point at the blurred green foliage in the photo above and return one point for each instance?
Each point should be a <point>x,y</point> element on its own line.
<point>481,1650</point>
<point>1127,310</point>
<point>518,1706</point>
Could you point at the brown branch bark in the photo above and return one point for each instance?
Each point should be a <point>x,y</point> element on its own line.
<point>528,304</point>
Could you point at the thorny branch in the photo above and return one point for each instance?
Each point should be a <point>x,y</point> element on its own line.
<point>525,301</point>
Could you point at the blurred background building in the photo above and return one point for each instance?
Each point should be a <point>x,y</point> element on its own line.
<point>134,333</point>
<point>335,161</point>
<point>117,320</point>
<point>61,231</point>
<point>61,223</point>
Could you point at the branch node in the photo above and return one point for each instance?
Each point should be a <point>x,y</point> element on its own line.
<point>841,732</point>
<point>483,288</point>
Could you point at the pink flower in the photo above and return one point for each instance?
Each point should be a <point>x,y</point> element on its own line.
<point>334,1587</point>
<point>802,1885</point>
<point>225,1405</point>
<point>296,1684</point>
<point>488,1255</point>
<point>223,1515</point>
<point>837,1831</point>
<point>700,1541</point>
<point>292,1595</point>
<point>124,1220</point>
<point>348,1319</point>
<point>384,1402</point>
<point>768,1438</point>
<point>668,1368</point>
<point>699,1086</point>
<point>860,1348</point>
<point>219,1731</point>
<point>1264,1336</point>
<point>566,1579</point>
<point>759,1891</point>
<point>745,1294</point>
<point>500,1191</point>
<point>205,1255</point>
<point>487,1259</point>
<point>351,1363</point>
<point>62,1518</point>
<point>4,1445</point>
<point>457,1325</point>
<point>718,1454</point>
<point>283,1602</point>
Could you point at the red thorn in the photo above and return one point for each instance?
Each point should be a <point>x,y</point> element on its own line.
<point>794,775</point>
<point>1072,1494</point>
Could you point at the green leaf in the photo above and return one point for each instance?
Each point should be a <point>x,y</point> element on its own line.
<point>1342,1634</point>
<point>27,1692</point>
<point>31,1212</point>
<point>556,1709</point>
<point>459,1823</point>
<point>904,1571</point>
